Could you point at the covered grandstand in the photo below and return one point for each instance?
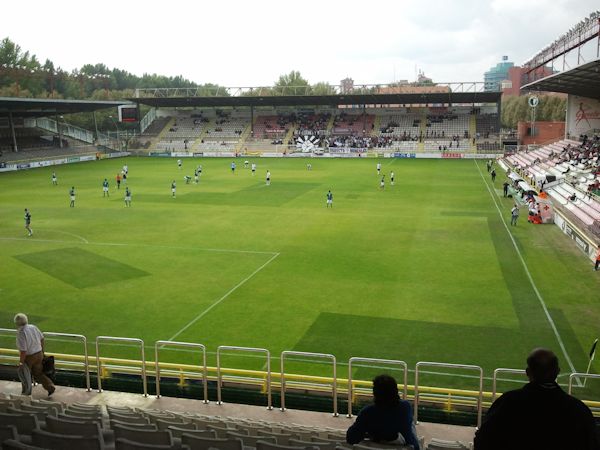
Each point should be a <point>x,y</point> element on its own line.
<point>466,121</point>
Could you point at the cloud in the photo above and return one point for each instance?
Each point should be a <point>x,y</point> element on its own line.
<point>241,43</point>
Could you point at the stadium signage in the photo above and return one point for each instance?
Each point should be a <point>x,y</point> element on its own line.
<point>405,155</point>
<point>452,155</point>
<point>582,242</point>
<point>161,154</point>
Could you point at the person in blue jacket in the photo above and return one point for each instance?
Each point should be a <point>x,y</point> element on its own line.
<point>387,420</point>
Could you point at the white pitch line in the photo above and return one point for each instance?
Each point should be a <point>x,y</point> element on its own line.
<point>125,244</point>
<point>533,285</point>
<point>70,234</point>
<point>227,294</point>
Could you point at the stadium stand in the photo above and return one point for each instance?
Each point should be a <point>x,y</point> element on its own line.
<point>94,427</point>
<point>182,134</point>
<point>571,171</point>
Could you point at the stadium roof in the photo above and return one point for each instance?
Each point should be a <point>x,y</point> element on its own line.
<point>314,100</point>
<point>583,80</point>
<point>36,107</point>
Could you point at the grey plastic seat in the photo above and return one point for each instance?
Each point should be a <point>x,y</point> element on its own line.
<point>280,438</point>
<point>143,436</point>
<point>137,426</point>
<point>262,445</point>
<point>250,441</point>
<point>79,428</point>
<point>54,441</point>
<point>8,432</point>
<point>316,444</point>
<point>60,407</point>
<point>12,444</point>
<point>5,403</point>
<point>164,424</point>
<point>202,443</point>
<point>133,418</point>
<point>177,432</point>
<point>126,444</point>
<point>83,414</point>
<point>25,423</point>
<point>222,431</point>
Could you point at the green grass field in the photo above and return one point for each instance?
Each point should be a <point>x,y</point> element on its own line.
<point>424,270</point>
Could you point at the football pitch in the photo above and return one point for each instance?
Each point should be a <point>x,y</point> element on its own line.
<point>426,270</point>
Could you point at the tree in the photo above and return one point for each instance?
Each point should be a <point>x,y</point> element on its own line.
<point>292,84</point>
<point>322,88</point>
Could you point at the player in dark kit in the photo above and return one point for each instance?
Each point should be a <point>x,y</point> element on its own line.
<point>28,222</point>
<point>72,197</point>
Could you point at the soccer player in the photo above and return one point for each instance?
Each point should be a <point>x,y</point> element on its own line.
<point>173,188</point>
<point>199,170</point>
<point>187,179</point>
<point>246,164</point>
<point>378,168</point>
<point>308,166</point>
<point>392,178</point>
<point>105,192</point>
<point>196,176</point>
<point>28,222</point>
<point>118,181</point>
<point>268,177</point>
<point>72,196</point>
<point>125,169</point>
<point>382,182</point>
<point>127,196</point>
<point>233,167</point>
<point>124,178</point>
<point>179,164</point>
<point>329,199</point>
<point>54,179</point>
<point>253,169</point>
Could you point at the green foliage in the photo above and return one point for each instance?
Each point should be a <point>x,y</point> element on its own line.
<point>21,74</point>
<point>516,109</point>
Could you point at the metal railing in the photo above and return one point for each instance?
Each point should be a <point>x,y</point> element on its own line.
<point>309,355</point>
<point>578,377</point>
<point>449,366</point>
<point>75,132</point>
<point>244,349</point>
<point>160,344</point>
<point>503,370</point>
<point>82,338</point>
<point>120,339</point>
<point>377,361</point>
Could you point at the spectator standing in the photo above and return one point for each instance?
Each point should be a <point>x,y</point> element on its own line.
<point>387,420</point>
<point>30,343</point>
<point>514,215</point>
<point>540,415</point>
<point>597,265</point>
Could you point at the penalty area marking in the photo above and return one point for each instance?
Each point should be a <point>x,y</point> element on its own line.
<point>227,294</point>
<point>533,285</point>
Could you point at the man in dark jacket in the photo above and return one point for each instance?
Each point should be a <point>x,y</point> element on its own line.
<point>388,420</point>
<point>540,415</point>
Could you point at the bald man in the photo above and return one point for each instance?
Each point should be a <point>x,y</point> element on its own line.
<point>540,415</point>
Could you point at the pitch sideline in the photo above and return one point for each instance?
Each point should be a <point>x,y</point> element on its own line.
<point>533,285</point>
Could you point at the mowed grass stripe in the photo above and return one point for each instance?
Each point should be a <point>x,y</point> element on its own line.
<point>430,250</point>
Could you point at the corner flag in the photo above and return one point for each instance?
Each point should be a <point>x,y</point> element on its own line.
<point>592,354</point>
<point>593,350</point>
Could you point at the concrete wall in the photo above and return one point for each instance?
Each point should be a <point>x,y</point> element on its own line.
<point>545,132</point>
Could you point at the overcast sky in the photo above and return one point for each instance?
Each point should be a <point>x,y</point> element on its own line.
<point>250,43</point>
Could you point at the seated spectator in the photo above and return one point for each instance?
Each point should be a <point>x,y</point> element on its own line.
<point>389,419</point>
<point>540,415</point>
